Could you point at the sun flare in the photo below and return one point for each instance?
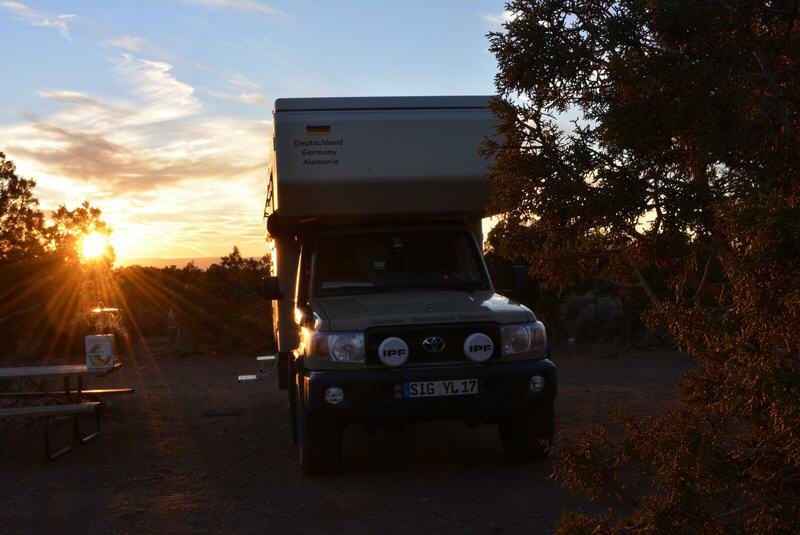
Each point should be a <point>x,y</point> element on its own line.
<point>93,246</point>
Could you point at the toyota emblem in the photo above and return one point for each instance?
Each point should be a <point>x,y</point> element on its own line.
<point>433,344</point>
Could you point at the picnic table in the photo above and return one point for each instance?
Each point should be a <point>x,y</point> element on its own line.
<point>43,401</point>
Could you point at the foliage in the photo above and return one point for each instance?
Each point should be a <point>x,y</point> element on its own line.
<point>69,226</point>
<point>47,289</point>
<point>503,251</point>
<point>677,179</point>
<point>22,229</point>
<point>42,284</point>
<point>219,308</point>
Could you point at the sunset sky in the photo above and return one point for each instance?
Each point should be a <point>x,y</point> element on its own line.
<point>159,112</point>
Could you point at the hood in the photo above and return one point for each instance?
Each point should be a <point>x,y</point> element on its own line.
<point>359,312</point>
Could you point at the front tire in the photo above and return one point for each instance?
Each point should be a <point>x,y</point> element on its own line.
<point>528,436</point>
<point>319,442</point>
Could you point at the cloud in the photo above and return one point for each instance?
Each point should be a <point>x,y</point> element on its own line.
<point>252,6</point>
<point>136,44</point>
<point>499,19</point>
<point>140,159</point>
<point>169,177</point>
<point>72,97</point>
<point>167,97</point>
<point>37,18</point>
<point>254,99</point>
<point>240,80</point>
<point>158,96</point>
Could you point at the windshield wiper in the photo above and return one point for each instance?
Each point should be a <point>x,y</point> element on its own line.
<point>472,285</point>
<point>347,290</point>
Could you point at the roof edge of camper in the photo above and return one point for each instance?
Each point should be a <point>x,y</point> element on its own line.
<point>292,226</point>
<point>378,103</point>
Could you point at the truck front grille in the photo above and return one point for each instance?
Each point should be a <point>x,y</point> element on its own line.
<point>454,335</point>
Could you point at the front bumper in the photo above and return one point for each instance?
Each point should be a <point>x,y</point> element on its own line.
<point>375,394</point>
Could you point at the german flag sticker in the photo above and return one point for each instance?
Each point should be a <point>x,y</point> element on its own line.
<point>318,129</point>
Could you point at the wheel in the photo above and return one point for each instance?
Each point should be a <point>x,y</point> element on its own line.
<point>319,442</point>
<point>527,436</point>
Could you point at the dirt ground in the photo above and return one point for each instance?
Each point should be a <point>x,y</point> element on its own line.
<point>161,466</point>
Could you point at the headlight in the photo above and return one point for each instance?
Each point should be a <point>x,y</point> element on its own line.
<point>339,347</point>
<point>346,347</point>
<point>523,338</point>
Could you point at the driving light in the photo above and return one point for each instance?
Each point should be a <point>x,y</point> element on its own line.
<point>334,395</point>
<point>393,351</point>
<point>537,383</point>
<point>478,347</point>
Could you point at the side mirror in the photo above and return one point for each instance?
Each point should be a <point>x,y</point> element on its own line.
<point>519,277</point>
<point>272,289</point>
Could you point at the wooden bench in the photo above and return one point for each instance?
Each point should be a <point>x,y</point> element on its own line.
<point>53,412</point>
<point>72,402</point>
<point>95,392</point>
<point>59,370</point>
<point>50,410</point>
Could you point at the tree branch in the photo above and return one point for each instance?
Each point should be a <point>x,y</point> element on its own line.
<point>703,279</point>
<point>618,283</point>
<point>638,272</point>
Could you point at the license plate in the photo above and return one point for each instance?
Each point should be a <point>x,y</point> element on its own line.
<point>427,389</point>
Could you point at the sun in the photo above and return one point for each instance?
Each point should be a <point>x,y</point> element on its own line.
<point>93,246</point>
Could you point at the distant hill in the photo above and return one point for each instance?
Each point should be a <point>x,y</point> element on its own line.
<point>202,263</point>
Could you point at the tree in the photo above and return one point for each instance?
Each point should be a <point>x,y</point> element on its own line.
<point>43,285</point>
<point>22,229</point>
<point>219,307</point>
<point>676,177</point>
<point>70,226</point>
<point>238,278</point>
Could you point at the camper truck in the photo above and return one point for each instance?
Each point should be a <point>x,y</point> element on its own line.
<point>384,311</point>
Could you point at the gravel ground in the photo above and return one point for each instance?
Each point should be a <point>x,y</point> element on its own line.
<point>161,466</point>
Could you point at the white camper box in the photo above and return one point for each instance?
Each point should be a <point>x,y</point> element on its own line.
<point>371,158</point>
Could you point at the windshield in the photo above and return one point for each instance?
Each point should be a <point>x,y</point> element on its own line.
<point>357,263</point>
